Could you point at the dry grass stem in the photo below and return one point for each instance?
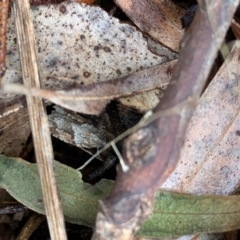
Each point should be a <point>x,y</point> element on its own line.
<point>38,120</point>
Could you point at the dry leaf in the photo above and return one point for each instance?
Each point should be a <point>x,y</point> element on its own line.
<point>14,132</point>
<point>91,99</point>
<point>236,29</point>
<point>73,53</point>
<point>209,162</point>
<point>78,44</point>
<point>160,19</point>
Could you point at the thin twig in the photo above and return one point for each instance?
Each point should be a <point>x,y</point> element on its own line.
<point>38,120</point>
<point>147,119</point>
<point>30,226</point>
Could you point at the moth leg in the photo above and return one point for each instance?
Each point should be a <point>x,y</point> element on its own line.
<point>110,162</point>
<point>118,127</point>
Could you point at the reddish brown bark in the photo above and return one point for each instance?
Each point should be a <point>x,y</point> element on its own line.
<point>152,152</point>
<point>4,5</point>
<point>235,26</point>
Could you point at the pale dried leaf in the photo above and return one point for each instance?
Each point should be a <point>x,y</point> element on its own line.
<point>81,44</point>
<point>209,162</point>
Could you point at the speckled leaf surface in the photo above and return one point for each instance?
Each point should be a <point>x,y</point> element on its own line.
<point>83,43</point>
<point>77,44</point>
<point>209,162</point>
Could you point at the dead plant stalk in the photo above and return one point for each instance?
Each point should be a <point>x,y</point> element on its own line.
<point>38,120</point>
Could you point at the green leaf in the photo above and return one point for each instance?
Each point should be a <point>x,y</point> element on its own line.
<point>179,214</point>
<point>174,214</point>
<point>79,199</point>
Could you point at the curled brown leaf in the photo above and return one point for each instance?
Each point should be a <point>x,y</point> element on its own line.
<point>160,19</point>
<point>92,98</point>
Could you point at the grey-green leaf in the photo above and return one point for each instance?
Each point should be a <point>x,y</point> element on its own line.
<point>174,214</point>
<point>79,199</point>
<point>180,214</point>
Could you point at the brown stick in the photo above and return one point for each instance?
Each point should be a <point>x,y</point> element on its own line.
<point>152,152</point>
<point>38,120</point>
<point>30,226</point>
<point>4,6</point>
